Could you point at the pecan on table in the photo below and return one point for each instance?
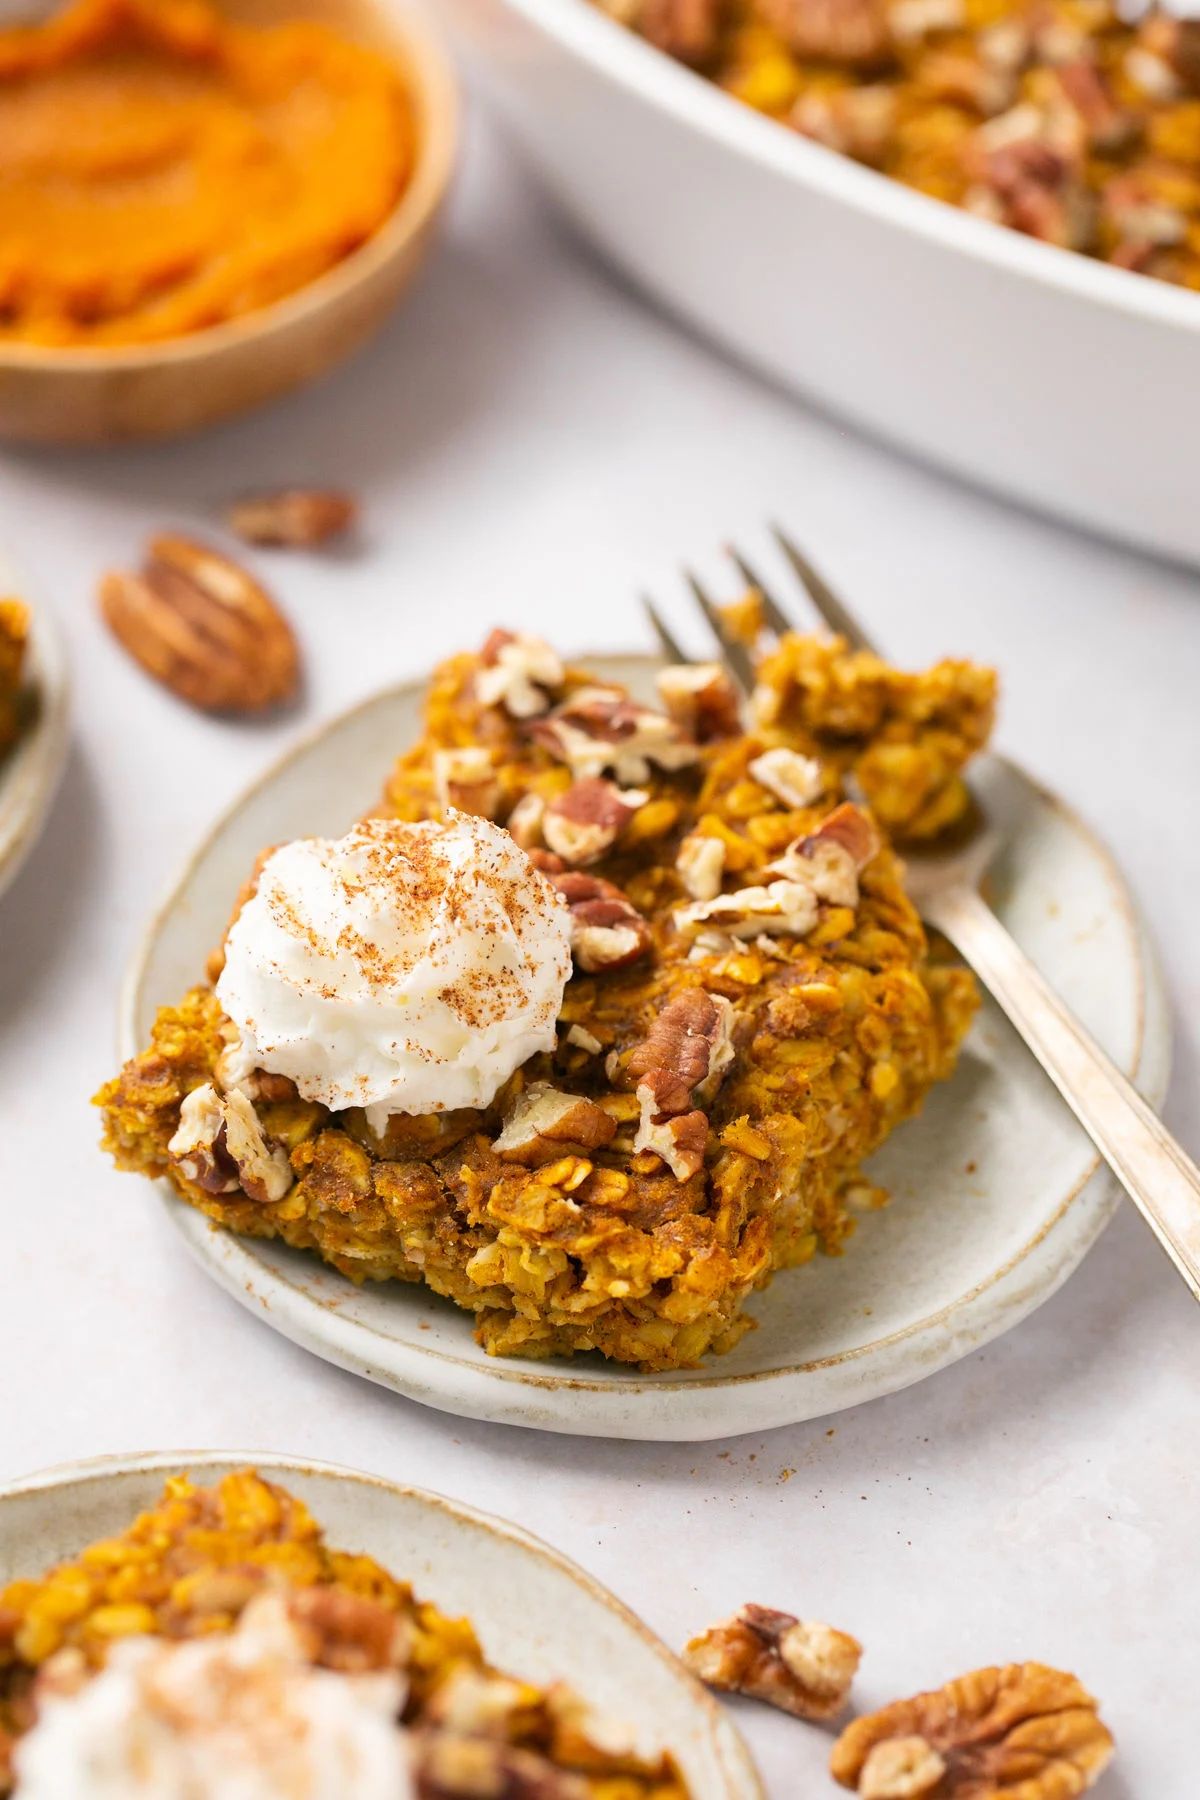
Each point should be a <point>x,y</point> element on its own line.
<point>801,1666</point>
<point>293,518</point>
<point>202,626</point>
<point>1022,1732</point>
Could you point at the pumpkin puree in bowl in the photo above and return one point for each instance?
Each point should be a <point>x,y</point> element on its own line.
<point>166,169</point>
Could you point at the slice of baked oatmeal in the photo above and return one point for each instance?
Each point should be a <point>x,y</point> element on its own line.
<point>753,1007</point>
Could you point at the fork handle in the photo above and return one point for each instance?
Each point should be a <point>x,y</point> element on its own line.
<point>1157,1174</point>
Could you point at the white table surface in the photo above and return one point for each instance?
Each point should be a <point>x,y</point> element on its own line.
<point>533,445</point>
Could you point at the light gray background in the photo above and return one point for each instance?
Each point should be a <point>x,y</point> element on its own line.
<point>531,444</point>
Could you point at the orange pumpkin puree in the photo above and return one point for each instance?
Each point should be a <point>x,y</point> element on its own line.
<point>165,169</point>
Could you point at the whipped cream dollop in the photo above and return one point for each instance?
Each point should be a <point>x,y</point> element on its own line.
<point>243,1716</point>
<point>402,968</point>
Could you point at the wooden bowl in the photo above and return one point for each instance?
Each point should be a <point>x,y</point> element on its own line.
<point>103,396</point>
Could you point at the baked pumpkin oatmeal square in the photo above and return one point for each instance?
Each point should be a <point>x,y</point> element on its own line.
<point>591,1027</point>
<point>14,637</point>
<point>220,1634</point>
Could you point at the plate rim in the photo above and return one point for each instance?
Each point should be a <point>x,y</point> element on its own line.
<point>35,764</point>
<point>319,1328</point>
<point>737,1761</point>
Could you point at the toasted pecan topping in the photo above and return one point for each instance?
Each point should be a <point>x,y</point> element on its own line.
<point>1025,1731</point>
<point>792,778</point>
<point>519,673</point>
<point>599,729</point>
<point>851,31</point>
<point>293,518</point>
<point>589,818</point>
<point>685,1051</point>
<point>349,1632</point>
<point>830,859</point>
<point>683,28</point>
<point>220,1146</point>
<point>680,1140</point>
<point>801,1666</point>
<point>525,821</point>
<point>202,626</point>
<point>607,930</point>
<point>450,1766</point>
<point>700,865</point>
<point>543,1120</point>
<point>466,780</point>
<point>701,699</point>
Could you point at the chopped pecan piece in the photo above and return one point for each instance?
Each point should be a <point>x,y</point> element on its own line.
<point>525,820</point>
<point>801,1666</point>
<point>1026,170</point>
<point>683,1056</point>
<point>607,930</point>
<point>583,1039</point>
<point>293,518</point>
<point>787,906</point>
<point>599,728</point>
<point>519,673</point>
<point>701,699</point>
<point>349,1632</point>
<point>543,1119</point>
<point>466,779</point>
<point>449,1766</point>
<point>683,28</point>
<point>830,859</point>
<point>203,627</point>
<point>857,121</point>
<point>700,865</point>
<point>850,31</point>
<point>1023,1730</point>
<point>792,778</point>
<point>1176,42</point>
<point>219,1145</point>
<point>589,818</point>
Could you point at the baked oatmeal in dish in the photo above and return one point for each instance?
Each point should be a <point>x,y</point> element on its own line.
<point>14,638</point>
<point>592,1026</point>
<point>220,1646</point>
<point>1063,119</point>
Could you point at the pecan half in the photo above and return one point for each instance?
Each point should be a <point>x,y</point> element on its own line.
<point>203,627</point>
<point>453,1767</point>
<point>1024,1730</point>
<point>543,1120</point>
<point>792,778</point>
<point>607,930</point>
<point>519,673</point>
<point>466,779</point>
<point>220,1146</point>
<point>682,1057</point>
<point>589,818</point>
<point>701,699</point>
<point>601,728</point>
<point>801,1666</point>
<point>293,518</point>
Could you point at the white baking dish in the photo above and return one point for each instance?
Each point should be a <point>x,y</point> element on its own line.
<point>1060,381</point>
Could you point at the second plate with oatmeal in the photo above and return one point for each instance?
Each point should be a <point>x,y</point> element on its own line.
<point>621,1166</point>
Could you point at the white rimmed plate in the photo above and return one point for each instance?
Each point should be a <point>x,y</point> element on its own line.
<point>31,769</point>
<point>997,1193</point>
<point>537,1613</point>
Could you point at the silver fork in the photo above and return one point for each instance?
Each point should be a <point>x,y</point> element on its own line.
<point>1157,1174</point>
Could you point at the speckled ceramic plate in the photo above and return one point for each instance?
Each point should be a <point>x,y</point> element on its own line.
<point>538,1615</point>
<point>31,768</point>
<point>997,1193</point>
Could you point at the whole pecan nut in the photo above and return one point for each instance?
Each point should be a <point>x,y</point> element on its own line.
<point>1024,1730</point>
<point>293,518</point>
<point>801,1666</point>
<point>544,1120</point>
<point>607,930</point>
<point>203,627</point>
<point>682,1058</point>
<point>589,818</point>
